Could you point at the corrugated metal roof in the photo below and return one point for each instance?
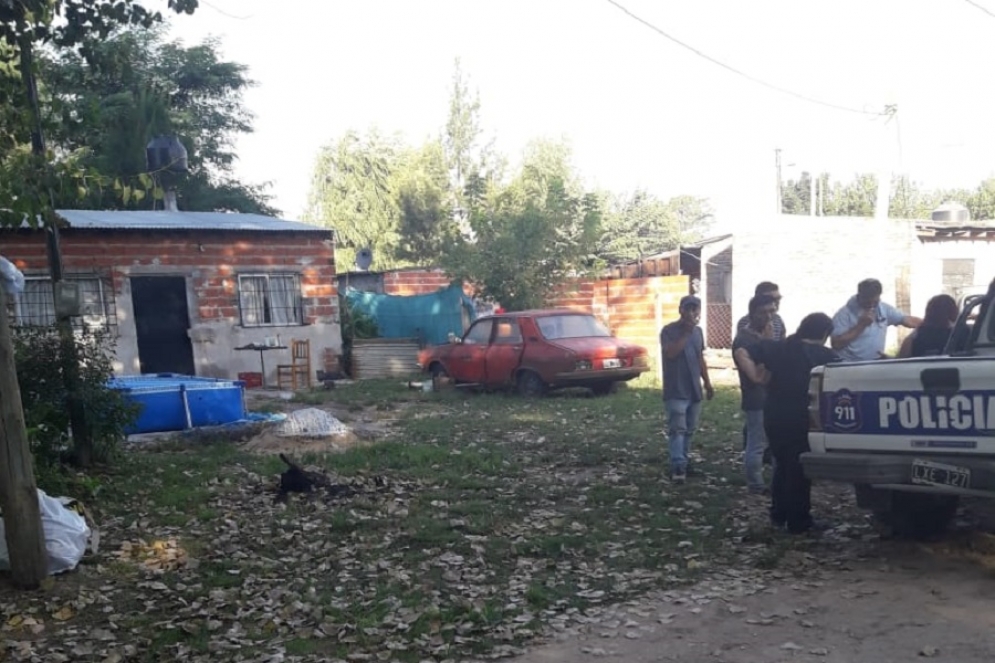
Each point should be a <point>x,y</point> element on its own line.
<point>149,220</point>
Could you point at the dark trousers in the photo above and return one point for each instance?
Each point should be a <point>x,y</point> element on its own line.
<point>790,491</point>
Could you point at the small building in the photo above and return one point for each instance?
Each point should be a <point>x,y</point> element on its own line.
<point>181,290</point>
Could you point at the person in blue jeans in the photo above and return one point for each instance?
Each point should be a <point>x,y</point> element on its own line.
<point>754,394</point>
<point>685,382</point>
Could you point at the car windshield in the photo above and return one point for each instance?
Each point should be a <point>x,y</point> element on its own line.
<point>555,327</point>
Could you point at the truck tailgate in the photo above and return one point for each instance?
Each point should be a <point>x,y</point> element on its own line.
<point>939,405</point>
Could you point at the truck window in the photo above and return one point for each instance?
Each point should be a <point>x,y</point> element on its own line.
<point>986,335</point>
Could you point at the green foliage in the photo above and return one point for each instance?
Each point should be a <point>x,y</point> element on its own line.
<point>908,200</point>
<point>427,228</point>
<point>353,192</point>
<point>530,235</point>
<point>356,324</point>
<point>135,85</point>
<point>39,356</point>
<point>30,179</point>
<point>642,224</point>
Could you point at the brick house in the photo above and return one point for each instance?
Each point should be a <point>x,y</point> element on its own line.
<point>181,290</point>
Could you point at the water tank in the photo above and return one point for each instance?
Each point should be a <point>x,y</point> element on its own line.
<point>950,212</point>
<point>166,153</point>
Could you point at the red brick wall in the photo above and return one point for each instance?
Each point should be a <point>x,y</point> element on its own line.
<point>213,257</point>
<point>634,309</point>
<point>414,281</point>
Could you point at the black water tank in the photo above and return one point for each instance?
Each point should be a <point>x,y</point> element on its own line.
<point>950,212</point>
<point>166,153</point>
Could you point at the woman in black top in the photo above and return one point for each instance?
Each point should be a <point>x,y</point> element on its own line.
<point>785,367</point>
<point>930,338</point>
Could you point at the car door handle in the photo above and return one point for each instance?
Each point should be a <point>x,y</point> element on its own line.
<point>940,380</point>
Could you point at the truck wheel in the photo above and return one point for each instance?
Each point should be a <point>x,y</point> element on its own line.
<point>438,371</point>
<point>530,384</point>
<point>919,515</point>
<point>604,388</point>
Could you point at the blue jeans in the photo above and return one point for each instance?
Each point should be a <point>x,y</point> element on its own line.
<point>682,421</point>
<point>756,441</point>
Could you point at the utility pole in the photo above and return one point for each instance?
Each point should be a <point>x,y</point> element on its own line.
<point>18,491</point>
<point>811,196</point>
<point>70,360</point>
<point>822,195</point>
<point>883,198</point>
<point>777,165</point>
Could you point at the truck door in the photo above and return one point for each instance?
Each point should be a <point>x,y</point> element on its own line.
<point>928,405</point>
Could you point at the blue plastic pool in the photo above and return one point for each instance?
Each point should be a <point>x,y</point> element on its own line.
<point>171,402</point>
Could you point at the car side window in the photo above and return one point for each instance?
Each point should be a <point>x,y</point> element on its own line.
<point>508,332</point>
<point>479,334</point>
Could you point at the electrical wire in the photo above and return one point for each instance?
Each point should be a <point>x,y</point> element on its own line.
<point>738,72</point>
<point>981,7</point>
<point>223,12</point>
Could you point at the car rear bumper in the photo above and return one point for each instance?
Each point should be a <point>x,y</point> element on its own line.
<point>582,378</point>
<point>895,471</point>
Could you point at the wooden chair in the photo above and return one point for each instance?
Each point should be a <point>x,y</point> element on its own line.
<point>297,373</point>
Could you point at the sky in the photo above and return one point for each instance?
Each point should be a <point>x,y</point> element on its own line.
<point>638,110</point>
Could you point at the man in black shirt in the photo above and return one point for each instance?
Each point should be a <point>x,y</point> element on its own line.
<point>789,364</point>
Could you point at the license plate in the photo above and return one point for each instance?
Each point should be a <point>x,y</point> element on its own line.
<point>929,473</point>
<point>612,363</point>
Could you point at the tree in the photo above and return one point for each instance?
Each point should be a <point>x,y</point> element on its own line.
<point>642,224</point>
<point>135,85</point>
<point>530,235</point>
<point>908,199</point>
<point>462,130</point>
<point>27,180</point>
<point>471,161</point>
<point>353,192</point>
<point>796,195</point>
<point>427,225</point>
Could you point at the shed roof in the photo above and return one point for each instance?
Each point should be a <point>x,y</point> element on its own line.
<point>161,220</point>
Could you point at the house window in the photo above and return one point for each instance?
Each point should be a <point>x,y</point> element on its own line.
<point>35,307</point>
<point>270,300</point>
<point>958,274</point>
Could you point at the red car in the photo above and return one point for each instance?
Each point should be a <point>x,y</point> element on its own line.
<point>536,351</point>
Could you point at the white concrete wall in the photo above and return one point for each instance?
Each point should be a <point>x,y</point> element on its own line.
<point>817,262</point>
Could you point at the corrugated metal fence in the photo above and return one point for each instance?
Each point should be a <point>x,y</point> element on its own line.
<point>384,357</point>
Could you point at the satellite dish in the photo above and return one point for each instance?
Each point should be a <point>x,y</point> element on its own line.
<point>364,258</point>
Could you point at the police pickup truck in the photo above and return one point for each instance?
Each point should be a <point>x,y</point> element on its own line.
<point>912,435</point>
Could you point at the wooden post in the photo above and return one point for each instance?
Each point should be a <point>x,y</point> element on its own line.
<point>18,492</point>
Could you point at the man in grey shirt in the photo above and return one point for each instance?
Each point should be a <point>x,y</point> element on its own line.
<point>682,347</point>
<point>776,324</point>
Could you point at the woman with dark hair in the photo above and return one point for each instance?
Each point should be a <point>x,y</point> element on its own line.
<point>785,368</point>
<point>930,338</point>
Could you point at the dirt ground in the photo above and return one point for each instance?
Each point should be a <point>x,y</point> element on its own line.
<point>850,596</point>
<point>845,601</point>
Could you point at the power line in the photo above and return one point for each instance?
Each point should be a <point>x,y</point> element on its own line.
<point>981,7</point>
<point>738,72</point>
<point>223,12</point>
